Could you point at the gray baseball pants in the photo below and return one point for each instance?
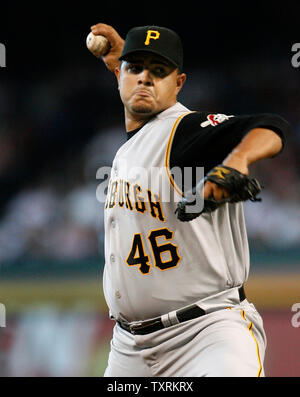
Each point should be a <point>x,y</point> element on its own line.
<point>228,342</point>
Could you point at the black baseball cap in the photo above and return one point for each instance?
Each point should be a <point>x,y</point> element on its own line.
<point>158,40</point>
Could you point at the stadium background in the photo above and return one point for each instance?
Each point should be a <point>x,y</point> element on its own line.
<point>61,119</point>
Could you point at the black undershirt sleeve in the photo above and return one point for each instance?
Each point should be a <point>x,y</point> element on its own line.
<point>204,140</point>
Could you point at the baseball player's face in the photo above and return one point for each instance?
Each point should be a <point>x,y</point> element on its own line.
<point>148,84</point>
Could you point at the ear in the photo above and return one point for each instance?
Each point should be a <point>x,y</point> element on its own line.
<point>181,78</point>
<point>117,73</point>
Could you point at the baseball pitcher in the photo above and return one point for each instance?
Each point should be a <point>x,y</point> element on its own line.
<point>176,265</point>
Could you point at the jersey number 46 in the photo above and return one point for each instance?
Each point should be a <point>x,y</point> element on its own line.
<point>138,256</point>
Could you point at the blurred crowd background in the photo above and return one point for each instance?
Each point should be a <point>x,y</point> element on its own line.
<point>61,119</point>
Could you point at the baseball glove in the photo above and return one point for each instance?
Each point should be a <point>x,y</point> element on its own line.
<point>239,186</point>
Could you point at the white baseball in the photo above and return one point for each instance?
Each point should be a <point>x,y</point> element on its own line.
<point>98,45</point>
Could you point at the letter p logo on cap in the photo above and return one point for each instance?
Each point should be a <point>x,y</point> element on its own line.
<point>151,34</point>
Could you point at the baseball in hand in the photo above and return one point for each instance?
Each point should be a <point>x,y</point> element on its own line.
<point>98,45</point>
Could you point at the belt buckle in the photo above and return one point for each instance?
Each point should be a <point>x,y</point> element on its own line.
<point>135,327</point>
<point>141,325</point>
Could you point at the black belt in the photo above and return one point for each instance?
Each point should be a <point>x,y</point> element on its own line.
<point>155,324</point>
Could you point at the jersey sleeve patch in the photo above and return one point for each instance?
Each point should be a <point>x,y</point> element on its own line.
<point>215,119</point>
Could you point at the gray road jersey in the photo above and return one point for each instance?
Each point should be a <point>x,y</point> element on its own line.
<point>153,262</point>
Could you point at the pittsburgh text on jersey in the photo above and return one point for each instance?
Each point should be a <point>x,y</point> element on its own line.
<point>132,197</point>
